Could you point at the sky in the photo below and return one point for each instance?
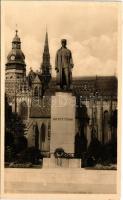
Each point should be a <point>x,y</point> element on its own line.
<point>91,30</point>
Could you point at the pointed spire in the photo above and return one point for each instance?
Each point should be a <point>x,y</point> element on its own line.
<point>46,45</point>
<point>45,66</point>
<point>16,42</point>
<point>16,32</point>
<point>46,55</point>
<point>46,38</point>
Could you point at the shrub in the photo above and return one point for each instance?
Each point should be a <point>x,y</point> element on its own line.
<point>109,152</point>
<point>20,165</point>
<point>20,144</point>
<point>9,138</point>
<point>31,154</point>
<point>9,154</point>
<point>94,149</point>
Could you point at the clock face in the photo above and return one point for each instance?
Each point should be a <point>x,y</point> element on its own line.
<point>12,57</point>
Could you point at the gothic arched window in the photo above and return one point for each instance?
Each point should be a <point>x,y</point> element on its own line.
<point>36,132</point>
<point>40,91</point>
<point>42,136</point>
<point>36,91</point>
<point>106,126</point>
<point>43,132</point>
<point>23,110</point>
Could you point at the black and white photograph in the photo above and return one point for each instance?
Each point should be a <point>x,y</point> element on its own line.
<point>60,75</point>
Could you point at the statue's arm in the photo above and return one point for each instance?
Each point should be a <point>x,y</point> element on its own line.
<point>56,62</point>
<point>71,60</point>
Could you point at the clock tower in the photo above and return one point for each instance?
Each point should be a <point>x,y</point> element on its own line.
<point>15,72</point>
<point>15,66</point>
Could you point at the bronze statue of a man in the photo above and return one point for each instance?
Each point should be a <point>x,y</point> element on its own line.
<point>63,66</point>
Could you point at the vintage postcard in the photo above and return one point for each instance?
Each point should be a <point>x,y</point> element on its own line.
<point>60,99</point>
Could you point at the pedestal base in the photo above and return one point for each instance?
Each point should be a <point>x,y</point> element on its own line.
<point>61,163</point>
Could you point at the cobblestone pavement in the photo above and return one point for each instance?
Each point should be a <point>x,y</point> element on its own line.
<point>60,181</point>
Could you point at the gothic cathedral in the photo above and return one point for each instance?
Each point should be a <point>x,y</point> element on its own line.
<point>29,95</point>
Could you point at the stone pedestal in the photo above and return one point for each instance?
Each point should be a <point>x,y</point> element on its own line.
<point>63,106</point>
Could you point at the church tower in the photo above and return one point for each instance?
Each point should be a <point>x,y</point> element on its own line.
<point>15,72</point>
<point>46,66</point>
<point>15,66</point>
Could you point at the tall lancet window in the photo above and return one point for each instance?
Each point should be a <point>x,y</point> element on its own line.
<point>23,110</point>
<point>40,91</point>
<point>43,132</point>
<point>36,133</point>
<point>106,126</point>
<point>36,91</point>
<point>42,136</point>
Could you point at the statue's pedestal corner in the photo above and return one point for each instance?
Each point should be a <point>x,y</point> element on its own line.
<point>71,87</point>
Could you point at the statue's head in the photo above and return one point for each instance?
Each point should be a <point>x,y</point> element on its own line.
<point>63,42</point>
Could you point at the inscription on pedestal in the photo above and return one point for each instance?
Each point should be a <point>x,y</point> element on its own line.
<point>63,122</point>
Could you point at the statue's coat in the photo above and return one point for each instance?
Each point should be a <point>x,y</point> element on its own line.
<point>63,60</point>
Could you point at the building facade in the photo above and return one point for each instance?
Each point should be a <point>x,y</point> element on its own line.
<point>30,96</point>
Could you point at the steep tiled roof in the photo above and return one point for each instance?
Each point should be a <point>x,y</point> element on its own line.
<point>84,86</point>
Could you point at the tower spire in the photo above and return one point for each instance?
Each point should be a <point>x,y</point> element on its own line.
<point>16,32</point>
<point>16,42</point>
<point>45,66</point>
<point>46,45</point>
